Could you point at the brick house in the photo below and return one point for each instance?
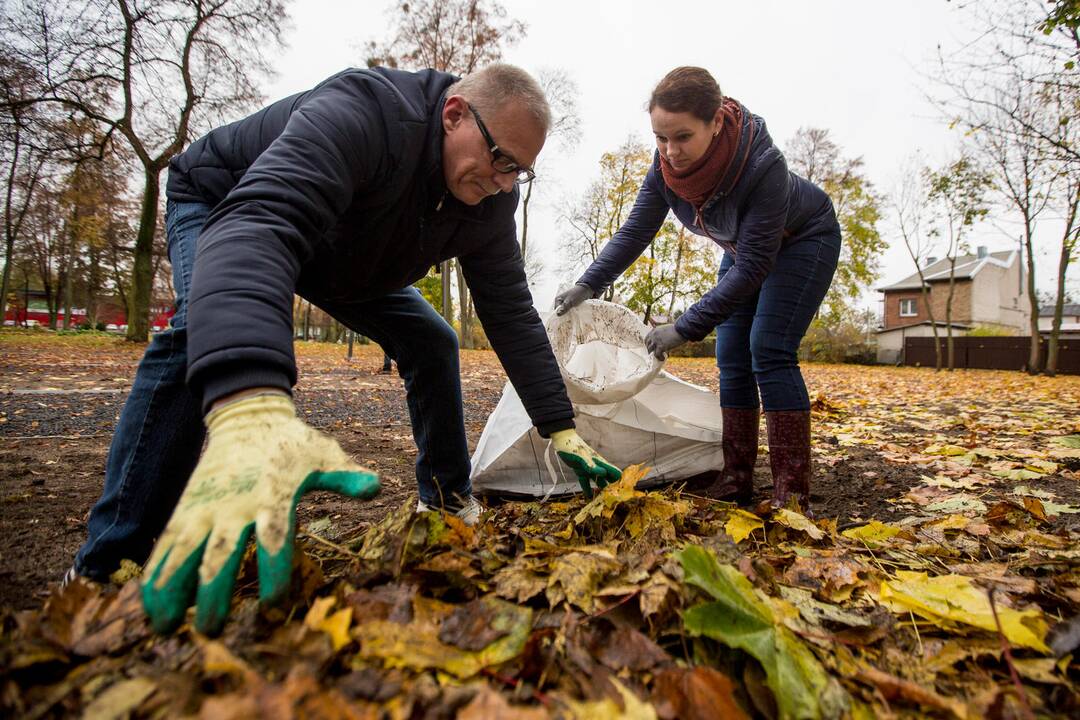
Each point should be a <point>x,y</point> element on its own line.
<point>988,292</point>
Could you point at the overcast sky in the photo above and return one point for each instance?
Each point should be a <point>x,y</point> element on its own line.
<point>852,67</point>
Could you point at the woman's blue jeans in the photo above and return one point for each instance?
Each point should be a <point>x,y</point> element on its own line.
<point>159,435</point>
<point>757,348</point>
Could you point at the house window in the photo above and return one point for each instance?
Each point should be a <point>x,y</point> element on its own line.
<point>908,308</point>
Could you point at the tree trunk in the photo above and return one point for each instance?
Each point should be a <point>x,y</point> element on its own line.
<point>9,244</point>
<point>1033,318</point>
<point>9,225</point>
<point>69,271</point>
<point>307,321</point>
<point>93,286</point>
<point>948,315</point>
<point>1059,306</point>
<point>68,282</point>
<point>447,300</point>
<point>678,268</point>
<point>464,316</point>
<point>525,219</point>
<point>934,330</point>
<point>142,275</point>
<point>1033,356</point>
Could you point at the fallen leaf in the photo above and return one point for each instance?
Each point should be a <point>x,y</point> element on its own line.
<point>740,619</point>
<point>797,521</point>
<point>417,644</point>
<point>948,600</point>
<point>740,524</point>
<point>120,699</point>
<point>490,705</point>
<point>701,693</point>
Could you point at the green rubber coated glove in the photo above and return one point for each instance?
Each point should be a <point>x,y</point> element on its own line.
<point>259,460</point>
<point>586,462</point>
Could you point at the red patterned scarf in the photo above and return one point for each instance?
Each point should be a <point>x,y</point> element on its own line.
<point>697,183</point>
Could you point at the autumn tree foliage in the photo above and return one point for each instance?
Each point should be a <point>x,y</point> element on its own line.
<point>594,219</point>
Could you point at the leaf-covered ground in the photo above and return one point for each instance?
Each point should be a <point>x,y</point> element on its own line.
<point>940,577</point>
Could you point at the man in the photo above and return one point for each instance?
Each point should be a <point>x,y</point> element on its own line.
<point>345,194</point>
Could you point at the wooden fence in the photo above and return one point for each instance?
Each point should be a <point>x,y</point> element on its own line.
<point>991,353</point>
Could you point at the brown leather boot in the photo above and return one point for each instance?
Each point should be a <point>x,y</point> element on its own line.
<point>789,456</point>
<point>735,483</point>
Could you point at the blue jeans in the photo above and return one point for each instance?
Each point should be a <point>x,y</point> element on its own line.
<point>757,348</point>
<point>425,349</point>
<point>160,433</point>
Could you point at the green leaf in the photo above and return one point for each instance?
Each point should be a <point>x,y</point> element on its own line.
<point>740,619</point>
<point>1069,441</point>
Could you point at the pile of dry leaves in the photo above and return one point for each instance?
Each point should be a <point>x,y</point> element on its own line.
<point>635,604</point>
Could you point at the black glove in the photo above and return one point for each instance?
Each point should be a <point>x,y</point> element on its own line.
<point>570,299</point>
<point>663,339</point>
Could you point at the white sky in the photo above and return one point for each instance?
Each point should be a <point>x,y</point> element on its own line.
<point>853,67</point>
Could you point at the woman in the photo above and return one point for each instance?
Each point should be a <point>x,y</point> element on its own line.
<point>718,170</point>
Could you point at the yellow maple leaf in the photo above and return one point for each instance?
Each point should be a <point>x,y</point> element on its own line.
<point>798,521</point>
<point>874,533</point>
<point>948,600</point>
<point>336,626</point>
<point>741,523</point>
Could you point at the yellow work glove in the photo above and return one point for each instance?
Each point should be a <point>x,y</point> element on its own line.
<point>259,460</point>
<point>586,462</point>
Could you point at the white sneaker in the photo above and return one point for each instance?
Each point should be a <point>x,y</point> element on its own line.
<point>69,577</point>
<point>468,511</point>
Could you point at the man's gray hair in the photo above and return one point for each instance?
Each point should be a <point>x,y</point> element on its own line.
<point>491,87</point>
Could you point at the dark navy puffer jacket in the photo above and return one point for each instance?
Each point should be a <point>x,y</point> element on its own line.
<point>338,194</point>
<point>767,208</point>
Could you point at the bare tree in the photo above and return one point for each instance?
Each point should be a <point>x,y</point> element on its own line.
<point>562,95</point>
<point>1023,176</point>
<point>909,204</point>
<point>149,72</point>
<point>25,158</point>
<point>1014,90</point>
<point>957,195</point>
<point>454,36</point>
<point>1069,192</point>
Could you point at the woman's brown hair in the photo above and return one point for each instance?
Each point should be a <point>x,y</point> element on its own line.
<point>688,89</point>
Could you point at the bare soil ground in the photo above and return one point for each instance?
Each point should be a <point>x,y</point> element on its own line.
<point>60,397</point>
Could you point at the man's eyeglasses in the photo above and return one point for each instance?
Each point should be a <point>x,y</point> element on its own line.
<point>499,160</point>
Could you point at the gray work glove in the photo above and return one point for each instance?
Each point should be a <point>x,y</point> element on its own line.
<point>662,339</point>
<point>570,299</point>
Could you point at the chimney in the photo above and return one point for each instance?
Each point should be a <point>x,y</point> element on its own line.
<point>930,261</point>
<point>981,251</point>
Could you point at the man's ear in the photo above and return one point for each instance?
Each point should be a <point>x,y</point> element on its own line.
<point>453,113</point>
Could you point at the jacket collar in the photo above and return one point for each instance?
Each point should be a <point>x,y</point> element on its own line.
<point>439,197</point>
<point>739,161</point>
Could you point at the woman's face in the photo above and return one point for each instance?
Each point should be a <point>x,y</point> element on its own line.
<point>682,138</point>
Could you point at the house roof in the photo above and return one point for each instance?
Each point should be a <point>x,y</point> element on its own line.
<point>1066,309</point>
<point>966,268</point>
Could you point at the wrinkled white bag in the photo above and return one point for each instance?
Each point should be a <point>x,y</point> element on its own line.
<point>628,409</point>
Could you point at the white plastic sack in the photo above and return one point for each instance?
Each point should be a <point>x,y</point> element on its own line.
<point>601,351</point>
<point>634,413</point>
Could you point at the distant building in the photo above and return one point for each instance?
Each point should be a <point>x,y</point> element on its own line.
<point>1070,319</point>
<point>29,308</point>
<point>988,291</point>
